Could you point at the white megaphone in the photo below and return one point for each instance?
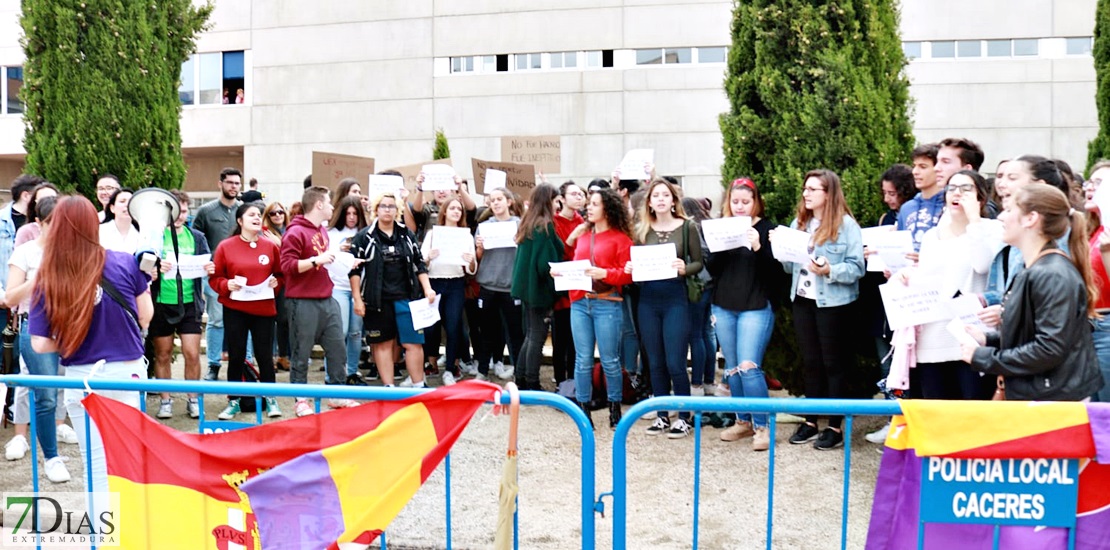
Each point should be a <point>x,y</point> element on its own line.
<point>154,210</point>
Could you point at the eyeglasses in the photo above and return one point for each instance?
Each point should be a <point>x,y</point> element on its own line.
<point>1092,184</point>
<point>962,188</point>
<point>107,188</point>
<point>813,189</point>
<point>387,207</point>
<point>277,213</point>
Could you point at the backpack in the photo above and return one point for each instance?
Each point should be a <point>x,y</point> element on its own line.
<point>632,391</point>
<point>247,403</point>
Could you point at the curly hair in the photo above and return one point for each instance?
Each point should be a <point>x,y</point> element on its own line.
<point>616,215</point>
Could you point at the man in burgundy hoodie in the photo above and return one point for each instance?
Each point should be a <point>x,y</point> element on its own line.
<point>314,316</point>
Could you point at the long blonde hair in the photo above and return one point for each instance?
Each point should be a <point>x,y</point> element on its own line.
<point>835,207</point>
<point>647,215</point>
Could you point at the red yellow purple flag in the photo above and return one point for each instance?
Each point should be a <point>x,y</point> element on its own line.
<point>186,490</point>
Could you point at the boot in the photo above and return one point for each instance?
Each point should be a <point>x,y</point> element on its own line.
<point>586,411</point>
<point>614,413</point>
<point>282,364</point>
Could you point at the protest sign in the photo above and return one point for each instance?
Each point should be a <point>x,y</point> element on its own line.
<point>519,178</point>
<point>543,152</point>
<point>328,169</point>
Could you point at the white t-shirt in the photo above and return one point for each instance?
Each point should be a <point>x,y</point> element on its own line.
<point>28,257</point>
<point>339,269</point>
<point>111,239</point>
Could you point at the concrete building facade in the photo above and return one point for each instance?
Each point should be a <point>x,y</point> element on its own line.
<point>378,78</point>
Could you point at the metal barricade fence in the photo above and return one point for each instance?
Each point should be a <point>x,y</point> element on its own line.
<point>698,405</point>
<point>319,392</point>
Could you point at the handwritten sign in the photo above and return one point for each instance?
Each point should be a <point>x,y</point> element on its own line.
<point>543,152</point>
<point>1007,491</point>
<point>380,185</point>
<point>438,177</point>
<point>451,242</point>
<point>726,233</point>
<point>497,234</point>
<point>254,293</point>
<point>410,171</point>
<point>519,178</point>
<point>328,169</point>
<point>653,262</point>
<point>424,314</point>
<point>571,275</point>
<point>791,245</point>
<point>191,266</point>
<point>890,248</point>
<point>636,164</point>
<point>913,304</point>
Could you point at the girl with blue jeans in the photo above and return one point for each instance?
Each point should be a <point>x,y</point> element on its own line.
<point>347,220</point>
<point>745,278</point>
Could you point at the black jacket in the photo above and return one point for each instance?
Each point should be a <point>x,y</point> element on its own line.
<point>365,246</point>
<point>1044,350</point>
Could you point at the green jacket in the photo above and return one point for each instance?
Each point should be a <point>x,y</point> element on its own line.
<point>532,282</point>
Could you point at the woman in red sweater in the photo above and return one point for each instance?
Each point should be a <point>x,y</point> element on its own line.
<point>595,316</point>
<point>249,306</point>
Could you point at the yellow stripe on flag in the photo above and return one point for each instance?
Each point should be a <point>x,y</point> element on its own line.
<point>377,473</point>
<point>944,427</point>
<point>187,518</point>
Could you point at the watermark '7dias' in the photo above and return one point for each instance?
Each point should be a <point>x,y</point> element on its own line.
<point>61,520</point>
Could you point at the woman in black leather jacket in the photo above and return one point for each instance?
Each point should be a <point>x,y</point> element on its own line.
<point>1044,349</point>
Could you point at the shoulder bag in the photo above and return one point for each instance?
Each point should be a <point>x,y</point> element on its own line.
<point>695,286</point>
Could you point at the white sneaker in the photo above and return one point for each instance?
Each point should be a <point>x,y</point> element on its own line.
<point>469,367</point>
<point>879,435</point>
<point>303,408</point>
<point>679,429</point>
<point>406,383</point>
<point>66,434</point>
<point>56,470</point>
<point>448,378</point>
<point>441,362</point>
<point>481,377</point>
<point>16,448</point>
<point>697,391</point>
<point>502,372</point>
<point>165,410</point>
<point>193,408</point>
<point>722,390</point>
<point>342,403</point>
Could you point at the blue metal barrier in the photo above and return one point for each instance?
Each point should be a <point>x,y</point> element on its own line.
<point>698,405</point>
<point>319,392</point>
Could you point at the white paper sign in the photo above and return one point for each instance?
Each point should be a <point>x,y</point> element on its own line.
<point>451,242</point>
<point>913,304</point>
<point>636,164</point>
<point>438,177</point>
<point>791,245</point>
<point>382,184</point>
<point>494,179</point>
<point>344,261</point>
<point>957,329</point>
<point>891,248</point>
<point>191,266</point>
<point>654,262</point>
<point>571,275</point>
<point>424,314</point>
<point>498,234</point>
<point>1102,200</point>
<point>726,233</point>
<point>253,293</point>
<point>966,308</point>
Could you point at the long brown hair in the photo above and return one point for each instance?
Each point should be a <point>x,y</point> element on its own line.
<point>835,207</point>
<point>540,215</point>
<point>1057,216</point>
<point>72,263</point>
<point>339,216</point>
<point>442,219</point>
<point>647,215</point>
<point>268,224</point>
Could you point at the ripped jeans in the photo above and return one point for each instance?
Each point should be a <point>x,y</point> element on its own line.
<point>743,336</point>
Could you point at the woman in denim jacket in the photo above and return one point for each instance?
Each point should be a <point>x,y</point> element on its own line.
<point>823,292</point>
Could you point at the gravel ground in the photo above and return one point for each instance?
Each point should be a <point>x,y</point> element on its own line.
<point>733,499</point>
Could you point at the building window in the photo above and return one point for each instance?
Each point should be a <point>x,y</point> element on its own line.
<point>712,55</point>
<point>1079,46</point>
<point>677,55</point>
<point>462,64</point>
<point>489,63</point>
<point>13,83</point>
<point>998,48</point>
<point>660,56</point>
<point>213,78</point>
<point>528,61</point>
<point>969,48</point>
<point>944,49</point>
<point>1025,46</point>
<point>649,57</point>
<point>564,60</point>
<point>912,50</point>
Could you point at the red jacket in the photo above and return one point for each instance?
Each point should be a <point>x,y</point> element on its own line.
<point>563,228</point>
<point>611,250</point>
<point>303,240</point>
<point>234,257</point>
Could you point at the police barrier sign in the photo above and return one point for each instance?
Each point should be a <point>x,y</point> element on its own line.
<point>1010,491</point>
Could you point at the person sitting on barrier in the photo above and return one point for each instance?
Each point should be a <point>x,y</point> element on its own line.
<point>823,292</point>
<point>1043,350</point>
<point>89,305</point>
<point>595,316</point>
<point>244,262</point>
<point>746,279</point>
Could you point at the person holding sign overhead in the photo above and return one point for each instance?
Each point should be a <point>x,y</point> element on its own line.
<point>823,292</point>
<point>391,274</point>
<point>663,310</point>
<point>498,309</point>
<point>595,316</point>
<point>246,256</point>
<point>1043,350</point>
<point>538,245</point>
<point>746,279</point>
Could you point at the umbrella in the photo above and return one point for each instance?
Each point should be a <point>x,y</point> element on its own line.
<point>506,497</point>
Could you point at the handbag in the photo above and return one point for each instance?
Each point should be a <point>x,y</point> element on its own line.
<point>695,286</point>
<point>10,334</point>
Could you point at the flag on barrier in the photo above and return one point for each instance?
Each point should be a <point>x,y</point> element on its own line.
<point>187,490</point>
<point>982,463</point>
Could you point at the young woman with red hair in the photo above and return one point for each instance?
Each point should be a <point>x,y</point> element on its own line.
<point>74,313</point>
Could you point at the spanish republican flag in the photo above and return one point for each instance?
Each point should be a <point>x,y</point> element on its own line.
<point>361,464</point>
<point>991,430</point>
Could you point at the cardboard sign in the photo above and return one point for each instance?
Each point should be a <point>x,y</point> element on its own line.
<point>410,171</point>
<point>543,152</point>
<point>328,169</point>
<point>519,178</point>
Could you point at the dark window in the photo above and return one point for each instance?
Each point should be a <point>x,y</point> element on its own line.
<point>606,58</point>
<point>503,63</point>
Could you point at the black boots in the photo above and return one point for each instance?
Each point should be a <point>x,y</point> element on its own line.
<point>586,411</point>
<point>614,413</point>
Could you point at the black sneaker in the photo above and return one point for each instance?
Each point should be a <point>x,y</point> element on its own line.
<point>805,433</point>
<point>213,373</point>
<point>661,425</point>
<point>355,379</point>
<point>829,440</point>
<point>372,371</point>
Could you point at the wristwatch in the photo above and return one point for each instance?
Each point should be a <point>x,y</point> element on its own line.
<point>313,260</point>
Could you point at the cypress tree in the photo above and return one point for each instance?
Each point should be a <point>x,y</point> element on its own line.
<point>441,150</point>
<point>815,84</point>
<point>1099,148</point>
<point>101,81</point>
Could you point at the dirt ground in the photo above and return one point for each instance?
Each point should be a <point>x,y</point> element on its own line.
<point>733,499</point>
